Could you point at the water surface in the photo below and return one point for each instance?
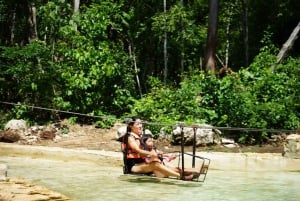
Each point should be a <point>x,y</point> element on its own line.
<point>90,180</point>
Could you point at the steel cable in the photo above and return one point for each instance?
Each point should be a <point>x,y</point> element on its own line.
<point>180,124</point>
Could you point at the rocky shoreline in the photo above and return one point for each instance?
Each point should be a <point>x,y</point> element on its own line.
<point>18,189</point>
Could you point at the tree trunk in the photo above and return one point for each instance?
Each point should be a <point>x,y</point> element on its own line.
<point>76,10</point>
<point>12,27</point>
<point>211,40</point>
<point>288,44</point>
<point>245,31</point>
<point>182,44</point>
<point>32,22</point>
<point>132,56</point>
<point>230,11</point>
<point>165,48</point>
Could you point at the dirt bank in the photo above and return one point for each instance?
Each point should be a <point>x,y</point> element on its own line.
<point>92,138</point>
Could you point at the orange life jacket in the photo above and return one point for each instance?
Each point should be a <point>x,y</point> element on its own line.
<point>130,153</point>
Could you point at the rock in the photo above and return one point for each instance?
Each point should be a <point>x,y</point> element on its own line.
<point>227,141</point>
<point>48,134</point>
<point>231,145</point>
<point>3,172</point>
<point>204,135</point>
<point>18,189</point>
<point>121,131</point>
<point>57,138</point>
<point>292,146</point>
<point>10,136</point>
<point>16,124</point>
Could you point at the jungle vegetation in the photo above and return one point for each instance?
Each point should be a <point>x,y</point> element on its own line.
<point>230,63</point>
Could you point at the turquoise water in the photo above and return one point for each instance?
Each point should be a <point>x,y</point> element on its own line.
<point>89,181</point>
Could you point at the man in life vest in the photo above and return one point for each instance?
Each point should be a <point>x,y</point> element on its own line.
<point>134,154</point>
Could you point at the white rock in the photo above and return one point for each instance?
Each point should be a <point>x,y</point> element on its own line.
<point>16,124</point>
<point>227,141</point>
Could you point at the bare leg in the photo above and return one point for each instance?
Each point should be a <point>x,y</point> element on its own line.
<point>156,168</point>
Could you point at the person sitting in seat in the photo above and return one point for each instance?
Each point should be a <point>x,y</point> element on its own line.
<point>148,144</point>
<point>164,158</point>
<point>135,155</point>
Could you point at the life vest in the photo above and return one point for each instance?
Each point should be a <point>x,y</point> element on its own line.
<point>130,153</point>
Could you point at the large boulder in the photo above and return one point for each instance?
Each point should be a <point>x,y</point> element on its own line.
<point>205,135</point>
<point>16,124</point>
<point>292,146</point>
<point>10,136</point>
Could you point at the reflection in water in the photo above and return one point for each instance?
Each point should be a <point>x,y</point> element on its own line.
<point>88,181</point>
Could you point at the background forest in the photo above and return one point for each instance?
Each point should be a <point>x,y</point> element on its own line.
<point>216,62</point>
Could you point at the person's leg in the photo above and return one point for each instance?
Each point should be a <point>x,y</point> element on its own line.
<point>159,174</point>
<point>193,170</point>
<point>155,167</point>
<point>142,168</point>
<point>158,169</point>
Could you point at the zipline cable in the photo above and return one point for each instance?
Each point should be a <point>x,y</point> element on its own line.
<point>55,110</point>
<point>226,128</point>
<point>161,124</point>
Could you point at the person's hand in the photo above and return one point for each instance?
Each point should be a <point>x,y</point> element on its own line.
<point>152,158</point>
<point>153,155</point>
<point>160,152</point>
<point>172,156</point>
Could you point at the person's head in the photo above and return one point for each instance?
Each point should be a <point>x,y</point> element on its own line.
<point>135,125</point>
<point>147,141</point>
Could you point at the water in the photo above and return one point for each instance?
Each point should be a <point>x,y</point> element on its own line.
<point>94,180</point>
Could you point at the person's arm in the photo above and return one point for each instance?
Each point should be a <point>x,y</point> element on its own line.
<point>169,156</point>
<point>132,143</point>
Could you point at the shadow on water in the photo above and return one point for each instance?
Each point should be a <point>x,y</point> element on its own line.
<point>139,179</point>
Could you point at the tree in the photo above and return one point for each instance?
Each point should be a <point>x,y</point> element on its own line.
<point>288,44</point>
<point>76,11</point>
<point>245,31</point>
<point>32,22</point>
<point>211,41</point>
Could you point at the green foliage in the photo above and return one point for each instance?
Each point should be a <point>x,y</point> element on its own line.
<point>73,120</point>
<point>185,35</point>
<point>106,122</point>
<point>82,70</point>
<point>65,130</point>
<point>29,75</point>
<point>171,105</point>
<point>251,98</point>
<point>81,63</point>
<point>91,62</point>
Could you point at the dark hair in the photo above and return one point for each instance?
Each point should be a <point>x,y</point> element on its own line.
<point>144,138</point>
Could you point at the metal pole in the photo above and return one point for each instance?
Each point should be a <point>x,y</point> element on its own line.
<point>182,151</point>
<point>194,147</point>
